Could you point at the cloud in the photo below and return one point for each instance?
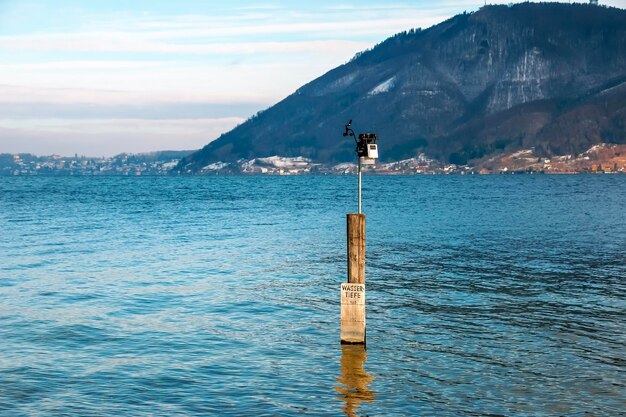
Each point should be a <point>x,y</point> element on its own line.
<point>187,81</point>
<point>21,112</point>
<point>14,97</point>
<point>128,42</point>
<point>125,125</point>
<point>104,137</point>
<point>336,26</point>
<point>79,65</point>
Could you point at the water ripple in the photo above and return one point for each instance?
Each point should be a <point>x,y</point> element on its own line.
<point>499,295</point>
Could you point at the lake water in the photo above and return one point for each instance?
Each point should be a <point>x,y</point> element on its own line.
<point>487,295</point>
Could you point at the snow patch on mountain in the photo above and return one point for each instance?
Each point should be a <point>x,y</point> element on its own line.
<point>383,87</point>
<point>216,166</point>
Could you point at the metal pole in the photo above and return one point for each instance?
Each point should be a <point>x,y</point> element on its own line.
<point>359,185</point>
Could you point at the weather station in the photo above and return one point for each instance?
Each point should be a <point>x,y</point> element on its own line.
<point>353,329</point>
<point>366,151</point>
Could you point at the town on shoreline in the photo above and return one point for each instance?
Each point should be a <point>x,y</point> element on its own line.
<point>599,159</point>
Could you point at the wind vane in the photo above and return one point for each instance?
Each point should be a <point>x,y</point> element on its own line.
<point>366,150</point>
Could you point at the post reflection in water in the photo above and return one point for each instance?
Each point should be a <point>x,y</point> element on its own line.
<point>354,379</point>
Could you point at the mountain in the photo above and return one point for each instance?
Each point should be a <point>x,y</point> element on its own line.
<point>548,76</point>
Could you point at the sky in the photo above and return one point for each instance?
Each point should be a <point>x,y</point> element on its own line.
<point>98,78</point>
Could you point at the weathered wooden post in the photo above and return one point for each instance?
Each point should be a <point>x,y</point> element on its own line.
<point>353,330</point>
<point>353,292</point>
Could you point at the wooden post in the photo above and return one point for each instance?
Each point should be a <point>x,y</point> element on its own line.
<point>356,248</point>
<point>353,292</point>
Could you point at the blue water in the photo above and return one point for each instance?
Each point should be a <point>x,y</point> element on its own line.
<point>487,295</point>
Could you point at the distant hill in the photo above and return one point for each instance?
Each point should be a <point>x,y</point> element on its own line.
<point>152,163</point>
<point>550,76</point>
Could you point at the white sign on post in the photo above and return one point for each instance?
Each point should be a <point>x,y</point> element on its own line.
<point>353,313</point>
